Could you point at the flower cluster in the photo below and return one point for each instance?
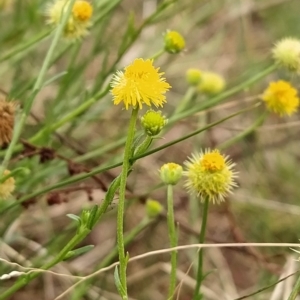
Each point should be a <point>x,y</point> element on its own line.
<point>79,20</point>
<point>206,82</point>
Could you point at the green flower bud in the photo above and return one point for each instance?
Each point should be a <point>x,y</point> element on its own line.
<point>170,173</point>
<point>193,76</point>
<point>153,208</point>
<point>153,122</point>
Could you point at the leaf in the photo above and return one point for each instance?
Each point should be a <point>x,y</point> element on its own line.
<point>118,283</point>
<point>74,217</point>
<point>78,251</point>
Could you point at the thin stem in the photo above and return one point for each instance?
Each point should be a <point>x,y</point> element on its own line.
<point>173,241</point>
<point>157,54</point>
<point>36,88</point>
<point>24,280</point>
<point>107,260</point>
<point>200,253</point>
<point>25,46</point>
<point>183,104</point>
<point>120,217</point>
<point>295,291</point>
<point>258,122</point>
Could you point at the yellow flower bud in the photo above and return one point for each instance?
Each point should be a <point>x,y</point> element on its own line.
<point>170,173</point>
<point>174,42</point>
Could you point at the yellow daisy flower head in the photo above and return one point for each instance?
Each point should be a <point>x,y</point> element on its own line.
<point>79,20</point>
<point>281,98</point>
<point>7,187</point>
<point>286,53</point>
<point>174,42</point>
<point>211,83</point>
<point>210,175</point>
<point>140,83</point>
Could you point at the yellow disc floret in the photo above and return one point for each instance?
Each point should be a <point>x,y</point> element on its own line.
<point>281,98</point>
<point>78,22</point>
<point>82,10</point>
<point>213,161</point>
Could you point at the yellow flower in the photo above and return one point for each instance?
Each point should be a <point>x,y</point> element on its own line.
<point>7,187</point>
<point>286,53</point>
<point>7,112</point>
<point>281,98</point>
<point>140,84</point>
<point>210,175</point>
<point>79,20</point>
<point>174,42</point>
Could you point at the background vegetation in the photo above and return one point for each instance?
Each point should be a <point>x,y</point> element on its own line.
<point>232,38</point>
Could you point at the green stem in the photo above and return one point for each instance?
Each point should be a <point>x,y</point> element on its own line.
<point>183,104</point>
<point>121,204</point>
<point>157,54</point>
<point>258,122</point>
<point>69,117</point>
<point>197,293</point>
<point>173,241</point>
<point>25,46</point>
<point>295,291</point>
<point>36,88</point>
<point>107,260</point>
<point>24,280</point>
